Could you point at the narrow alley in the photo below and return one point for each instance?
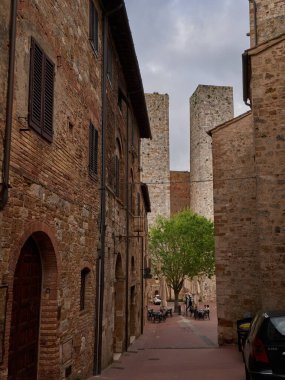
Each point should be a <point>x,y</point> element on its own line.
<point>179,348</point>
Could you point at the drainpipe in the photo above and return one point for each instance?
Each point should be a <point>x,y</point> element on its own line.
<point>101,256</point>
<point>9,109</point>
<point>100,273</point>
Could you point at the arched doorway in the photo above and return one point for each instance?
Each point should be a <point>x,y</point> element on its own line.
<point>33,307</point>
<point>25,320</point>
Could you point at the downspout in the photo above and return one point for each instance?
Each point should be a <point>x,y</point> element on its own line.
<point>127,247</point>
<point>97,363</point>
<point>9,110</point>
<point>100,272</point>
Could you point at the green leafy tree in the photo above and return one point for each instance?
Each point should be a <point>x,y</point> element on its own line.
<point>182,246</point>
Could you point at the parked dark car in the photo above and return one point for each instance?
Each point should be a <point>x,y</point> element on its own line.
<point>264,348</point>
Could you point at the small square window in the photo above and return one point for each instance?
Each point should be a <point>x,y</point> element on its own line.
<point>93,150</point>
<point>83,287</point>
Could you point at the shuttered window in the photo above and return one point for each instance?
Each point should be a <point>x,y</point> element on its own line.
<point>93,27</point>
<point>41,92</point>
<point>93,150</point>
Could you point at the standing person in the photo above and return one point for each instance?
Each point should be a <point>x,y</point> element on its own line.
<point>189,302</point>
<point>186,303</point>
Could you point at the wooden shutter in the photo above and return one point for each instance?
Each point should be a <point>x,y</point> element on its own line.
<point>41,92</point>
<point>93,149</point>
<point>36,87</point>
<point>47,129</point>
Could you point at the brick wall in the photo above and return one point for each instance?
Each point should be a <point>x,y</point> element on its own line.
<point>50,183</point>
<point>209,106</point>
<point>268,93</point>
<point>179,191</point>
<point>54,199</point>
<point>237,262</point>
<point>4,45</point>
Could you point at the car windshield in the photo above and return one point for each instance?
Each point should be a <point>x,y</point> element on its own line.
<point>276,328</point>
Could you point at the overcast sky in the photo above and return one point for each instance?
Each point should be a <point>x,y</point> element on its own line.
<point>183,43</point>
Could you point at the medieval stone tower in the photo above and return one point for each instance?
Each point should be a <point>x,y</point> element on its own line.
<point>155,156</point>
<point>209,106</point>
<point>267,19</point>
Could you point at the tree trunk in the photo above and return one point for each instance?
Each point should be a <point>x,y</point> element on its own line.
<point>176,303</point>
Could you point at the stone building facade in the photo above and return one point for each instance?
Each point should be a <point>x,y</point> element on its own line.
<point>248,167</point>
<point>156,171</point>
<point>209,106</point>
<point>72,206</point>
<point>155,156</point>
<point>266,20</point>
<point>179,191</point>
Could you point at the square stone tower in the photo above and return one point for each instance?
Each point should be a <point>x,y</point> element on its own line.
<point>209,106</point>
<point>155,156</point>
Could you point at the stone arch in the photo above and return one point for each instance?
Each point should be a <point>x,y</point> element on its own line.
<point>43,238</point>
<point>118,337</point>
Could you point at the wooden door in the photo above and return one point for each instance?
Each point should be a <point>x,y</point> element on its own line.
<point>24,335</point>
